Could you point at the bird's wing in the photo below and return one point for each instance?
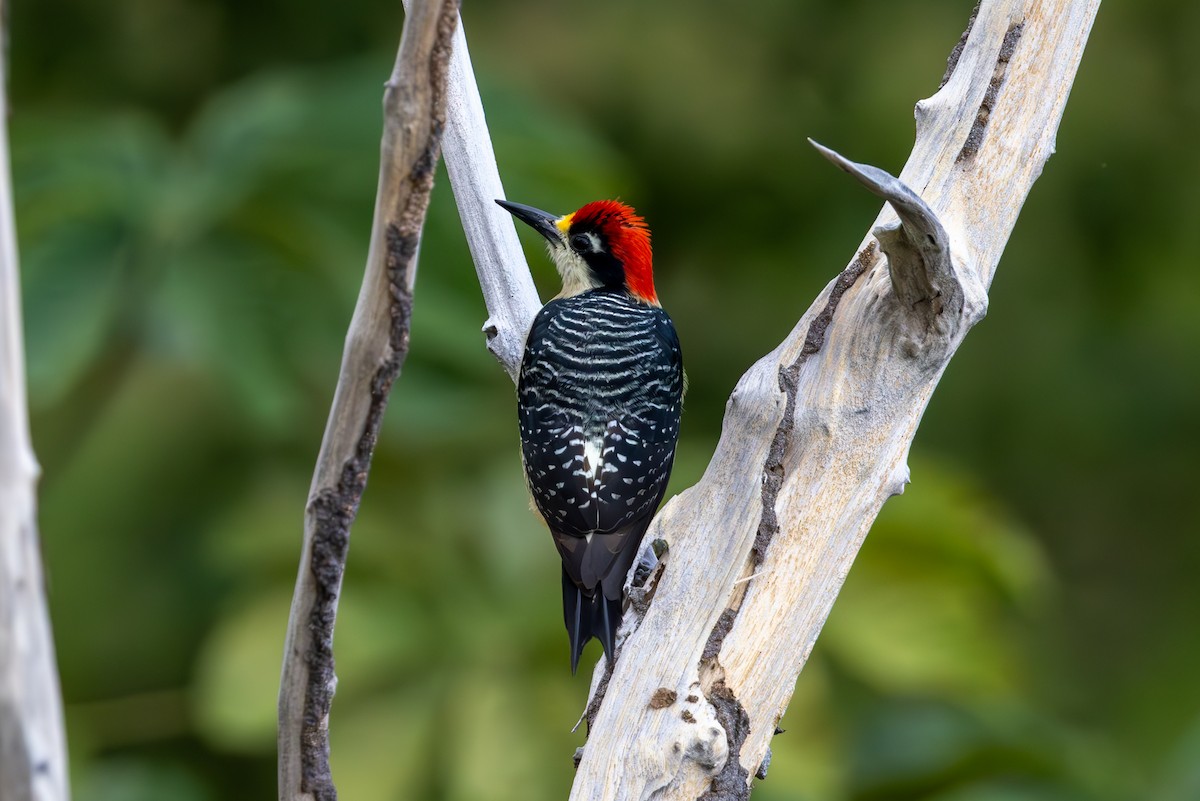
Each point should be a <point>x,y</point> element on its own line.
<point>597,489</point>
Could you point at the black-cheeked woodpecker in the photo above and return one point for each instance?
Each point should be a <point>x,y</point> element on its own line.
<point>599,398</point>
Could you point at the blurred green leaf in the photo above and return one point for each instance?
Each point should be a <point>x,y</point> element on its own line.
<point>383,749</point>
<point>141,780</point>
<point>235,687</point>
<point>1180,779</point>
<point>934,599</point>
<point>1009,790</point>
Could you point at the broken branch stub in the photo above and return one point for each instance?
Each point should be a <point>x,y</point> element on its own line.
<point>917,247</point>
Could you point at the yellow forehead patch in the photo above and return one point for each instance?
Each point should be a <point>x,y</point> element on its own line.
<point>564,222</point>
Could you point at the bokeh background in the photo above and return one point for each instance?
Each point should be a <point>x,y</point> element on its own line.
<point>194,183</point>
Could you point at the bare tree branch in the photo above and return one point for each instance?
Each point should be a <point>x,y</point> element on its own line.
<point>33,749</point>
<point>504,277</point>
<point>817,433</point>
<point>508,289</point>
<point>376,345</point>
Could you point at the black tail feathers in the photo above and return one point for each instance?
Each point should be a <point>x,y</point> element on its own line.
<point>589,615</point>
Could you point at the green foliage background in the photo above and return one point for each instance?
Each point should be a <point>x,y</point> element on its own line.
<point>194,181</point>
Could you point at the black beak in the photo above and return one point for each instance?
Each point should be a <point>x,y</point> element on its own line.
<point>541,221</point>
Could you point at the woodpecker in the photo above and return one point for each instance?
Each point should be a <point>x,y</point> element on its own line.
<point>599,398</point>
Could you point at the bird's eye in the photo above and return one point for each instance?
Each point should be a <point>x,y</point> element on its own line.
<point>581,243</point>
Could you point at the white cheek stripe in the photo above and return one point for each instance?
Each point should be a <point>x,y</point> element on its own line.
<point>576,276</point>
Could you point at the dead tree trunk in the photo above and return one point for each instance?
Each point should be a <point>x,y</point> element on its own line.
<point>33,750</point>
<point>817,433</point>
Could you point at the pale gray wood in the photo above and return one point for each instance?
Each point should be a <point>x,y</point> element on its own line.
<point>33,750</point>
<point>508,289</point>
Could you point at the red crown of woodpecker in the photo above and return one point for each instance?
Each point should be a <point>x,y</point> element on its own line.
<point>628,239</point>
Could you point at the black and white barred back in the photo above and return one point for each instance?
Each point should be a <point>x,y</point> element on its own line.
<point>599,401</point>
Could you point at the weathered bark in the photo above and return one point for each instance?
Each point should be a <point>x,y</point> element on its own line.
<point>376,345</point>
<point>817,433</point>
<point>33,751</point>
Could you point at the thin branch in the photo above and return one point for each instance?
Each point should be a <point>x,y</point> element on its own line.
<point>508,290</point>
<point>33,751</point>
<point>376,345</point>
<point>512,300</point>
